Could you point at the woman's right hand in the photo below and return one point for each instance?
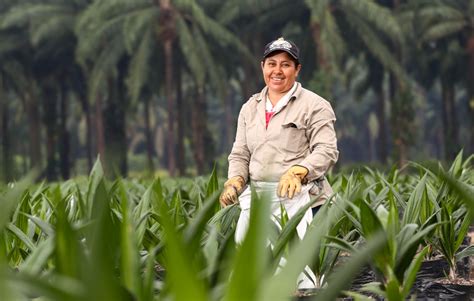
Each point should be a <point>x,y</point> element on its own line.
<point>232,188</point>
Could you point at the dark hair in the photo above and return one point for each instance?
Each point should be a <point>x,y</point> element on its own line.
<point>297,62</point>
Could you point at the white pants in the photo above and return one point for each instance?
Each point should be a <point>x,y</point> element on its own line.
<point>292,206</point>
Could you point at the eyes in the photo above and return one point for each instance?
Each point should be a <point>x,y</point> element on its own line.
<point>283,65</point>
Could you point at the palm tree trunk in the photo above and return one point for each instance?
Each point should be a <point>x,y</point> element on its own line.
<point>148,137</point>
<point>396,89</point>
<point>6,161</point>
<point>34,126</point>
<point>64,145</point>
<point>50,118</point>
<point>450,126</point>
<point>167,35</point>
<point>169,97</point>
<point>400,123</point>
<point>87,112</point>
<point>115,131</point>
<point>99,129</point>
<point>323,63</point>
<point>470,85</point>
<point>380,111</point>
<point>249,85</point>
<point>229,124</point>
<point>198,127</point>
<point>181,164</point>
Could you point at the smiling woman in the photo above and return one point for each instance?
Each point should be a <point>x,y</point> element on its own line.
<point>285,140</point>
<point>279,72</point>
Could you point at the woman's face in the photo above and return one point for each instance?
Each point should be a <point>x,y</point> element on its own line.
<point>279,72</point>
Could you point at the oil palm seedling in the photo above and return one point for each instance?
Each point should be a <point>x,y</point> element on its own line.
<point>396,265</point>
<point>453,214</point>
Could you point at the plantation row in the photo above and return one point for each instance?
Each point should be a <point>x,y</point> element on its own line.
<point>92,239</point>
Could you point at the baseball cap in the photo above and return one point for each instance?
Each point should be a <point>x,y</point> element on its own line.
<point>282,45</point>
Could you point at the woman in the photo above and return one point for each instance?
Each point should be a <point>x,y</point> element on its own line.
<point>285,140</point>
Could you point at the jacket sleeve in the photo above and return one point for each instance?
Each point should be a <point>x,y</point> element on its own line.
<point>239,157</point>
<point>322,143</point>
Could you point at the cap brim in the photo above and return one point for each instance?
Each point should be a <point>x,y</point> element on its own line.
<point>281,49</point>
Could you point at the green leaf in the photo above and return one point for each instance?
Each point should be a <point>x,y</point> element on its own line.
<point>21,236</point>
<point>12,197</point>
<point>193,233</point>
<point>393,288</point>
<point>211,251</point>
<point>251,259</point>
<point>52,287</point>
<point>180,271</point>
<point>44,226</point>
<point>342,278</point>
<point>302,254</point>
<point>412,212</point>
<point>469,251</point>
<point>103,242</point>
<point>141,211</point>
<point>410,274</point>
<point>129,266</point>
<point>369,221</point>
<point>212,183</point>
<point>288,231</point>
<point>68,255</point>
<point>95,176</point>
<point>37,260</point>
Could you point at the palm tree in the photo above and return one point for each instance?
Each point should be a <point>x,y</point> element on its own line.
<point>154,34</point>
<point>444,34</point>
<point>345,28</point>
<point>16,69</point>
<point>102,54</point>
<point>6,156</point>
<point>340,30</point>
<point>49,27</point>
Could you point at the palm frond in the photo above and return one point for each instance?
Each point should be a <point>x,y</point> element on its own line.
<point>223,36</point>
<point>230,11</point>
<point>440,12</point>
<point>105,10</point>
<point>380,17</point>
<point>52,29</point>
<point>318,9</point>
<point>136,24</point>
<point>216,75</point>
<point>190,51</point>
<point>11,41</point>
<point>105,65</point>
<point>444,29</point>
<point>139,66</point>
<point>33,14</point>
<point>376,47</point>
<point>334,44</point>
<point>93,37</point>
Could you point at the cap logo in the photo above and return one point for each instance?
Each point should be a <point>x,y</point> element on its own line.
<point>280,43</point>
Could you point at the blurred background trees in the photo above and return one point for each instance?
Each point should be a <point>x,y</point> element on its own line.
<point>156,85</point>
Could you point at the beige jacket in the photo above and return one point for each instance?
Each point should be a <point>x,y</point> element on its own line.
<point>302,133</point>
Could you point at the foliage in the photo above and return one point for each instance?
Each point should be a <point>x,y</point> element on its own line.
<point>92,239</point>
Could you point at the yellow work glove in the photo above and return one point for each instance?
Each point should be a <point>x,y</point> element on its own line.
<point>290,181</point>
<point>232,188</point>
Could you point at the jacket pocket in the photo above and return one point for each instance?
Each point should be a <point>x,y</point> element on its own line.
<point>293,135</point>
<point>251,136</point>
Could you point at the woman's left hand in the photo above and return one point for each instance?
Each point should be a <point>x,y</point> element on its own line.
<point>290,182</point>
